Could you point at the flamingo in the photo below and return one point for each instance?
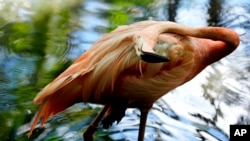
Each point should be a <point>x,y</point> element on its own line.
<point>132,67</point>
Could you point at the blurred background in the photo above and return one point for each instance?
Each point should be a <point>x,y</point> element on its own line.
<point>40,38</point>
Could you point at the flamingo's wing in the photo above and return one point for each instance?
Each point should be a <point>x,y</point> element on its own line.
<point>103,53</point>
<point>95,71</point>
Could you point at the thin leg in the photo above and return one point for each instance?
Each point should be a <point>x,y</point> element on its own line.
<point>143,120</point>
<point>88,134</point>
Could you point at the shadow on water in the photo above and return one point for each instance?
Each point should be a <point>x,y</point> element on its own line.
<point>40,39</point>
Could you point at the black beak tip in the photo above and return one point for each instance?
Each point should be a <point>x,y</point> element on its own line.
<point>153,58</point>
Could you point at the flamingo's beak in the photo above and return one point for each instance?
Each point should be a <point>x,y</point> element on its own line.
<point>153,57</point>
<point>146,52</point>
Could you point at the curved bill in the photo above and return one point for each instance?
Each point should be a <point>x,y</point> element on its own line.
<point>146,52</point>
<point>153,57</point>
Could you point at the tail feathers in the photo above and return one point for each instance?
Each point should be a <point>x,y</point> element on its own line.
<point>54,104</point>
<point>43,115</point>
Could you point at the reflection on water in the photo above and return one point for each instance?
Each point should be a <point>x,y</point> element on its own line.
<point>39,39</point>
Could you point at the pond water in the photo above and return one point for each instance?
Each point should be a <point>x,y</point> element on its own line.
<point>39,39</point>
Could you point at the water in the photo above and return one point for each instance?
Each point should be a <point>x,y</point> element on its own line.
<point>39,39</point>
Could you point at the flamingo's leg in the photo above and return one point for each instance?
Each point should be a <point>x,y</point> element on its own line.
<point>88,134</point>
<point>143,120</point>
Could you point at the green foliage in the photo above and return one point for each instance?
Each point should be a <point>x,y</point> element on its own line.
<point>35,54</point>
<point>119,15</point>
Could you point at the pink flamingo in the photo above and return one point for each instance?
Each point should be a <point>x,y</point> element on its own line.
<point>132,67</point>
